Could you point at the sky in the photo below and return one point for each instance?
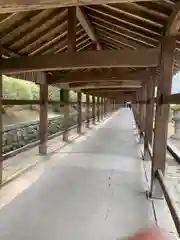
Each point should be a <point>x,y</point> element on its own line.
<point>176,84</point>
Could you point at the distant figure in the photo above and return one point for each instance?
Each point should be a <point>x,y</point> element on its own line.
<point>129,105</point>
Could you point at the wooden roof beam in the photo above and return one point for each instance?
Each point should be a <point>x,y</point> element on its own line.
<point>118,89</point>
<point>85,59</point>
<point>97,76</point>
<point>127,88</point>
<point>173,24</point>
<point>86,24</point>
<point>24,5</point>
<point>105,84</point>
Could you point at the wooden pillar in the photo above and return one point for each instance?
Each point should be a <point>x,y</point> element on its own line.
<point>65,99</point>
<point>93,109</point>
<point>1,128</point>
<point>102,108</point>
<point>162,112</point>
<point>71,29</point>
<point>79,109</point>
<point>87,110</point>
<point>71,48</point>
<point>142,111</point>
<point>98,109</point>
<point>43,125</point>
<point>150,113</point>
<point>105,107</point>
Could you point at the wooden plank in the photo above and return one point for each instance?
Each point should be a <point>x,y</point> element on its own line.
<point>87,110</point>
<point>79,109</point>
<point>162,112</point>
<point>173,24</point>
<point>43,126</point>
<point>84,59</point>
<point>7,6</point>
<point>97,75</point>
<point>86,24</point>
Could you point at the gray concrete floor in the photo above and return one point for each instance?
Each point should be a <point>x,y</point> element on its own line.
<point>93,189</point>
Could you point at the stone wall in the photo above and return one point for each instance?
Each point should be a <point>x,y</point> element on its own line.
<point>18,135</point>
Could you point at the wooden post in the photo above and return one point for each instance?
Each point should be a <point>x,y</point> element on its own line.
<point>1,128</point>
<point>98,109</point>
<point>79,109</point>
<point>93,109</point>
<point>71,48</point>
<point>65,99</point>
<point>71,29</point>
<point>43,126</point>
<point>102,108</point>
<point>150,115</point>
<point>162,112</point>
<point>105,107</point>
<point>142,111</point>
<point>87,110</point>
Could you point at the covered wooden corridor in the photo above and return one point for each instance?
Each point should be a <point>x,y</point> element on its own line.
<point>112,51</point>
<point>96,191</point>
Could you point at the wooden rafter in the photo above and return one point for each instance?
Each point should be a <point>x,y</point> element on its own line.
<point>173,24</point>
<point>138,37</point>
<point>86,59</point>
<point>130,24</point>
<point>123,38</point>
<point>86,24</point>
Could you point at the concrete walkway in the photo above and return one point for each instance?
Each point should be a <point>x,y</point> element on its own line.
<point>93,190</point>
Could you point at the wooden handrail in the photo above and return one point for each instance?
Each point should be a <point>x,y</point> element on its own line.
<point>172,207</point>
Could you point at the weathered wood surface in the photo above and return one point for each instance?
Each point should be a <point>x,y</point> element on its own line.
<point>43,126</point>
<point>86,24</point>
<point>84,59</point>
<point>98,75</point>
<point>162,112</point>
<point>15,6</point>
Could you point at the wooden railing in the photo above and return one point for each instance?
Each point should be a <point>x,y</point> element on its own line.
<point>169,199</point>
<point>167,195</point>
<point>35,140</point>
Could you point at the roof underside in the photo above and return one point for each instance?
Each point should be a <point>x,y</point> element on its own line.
<point>127,25</point>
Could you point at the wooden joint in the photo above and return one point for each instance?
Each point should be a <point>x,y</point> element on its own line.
<point>161,99</point>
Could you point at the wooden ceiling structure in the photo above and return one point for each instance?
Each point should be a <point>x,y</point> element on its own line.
<point>104,47</point>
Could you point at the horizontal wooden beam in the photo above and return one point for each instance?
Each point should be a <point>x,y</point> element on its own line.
<point>84,59</point>
<point>24,5</point>
<point>25,102</point>
<point>97,75</point>
<point>98,90</point>
<point>105,84</point>
<point>172,99</point>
